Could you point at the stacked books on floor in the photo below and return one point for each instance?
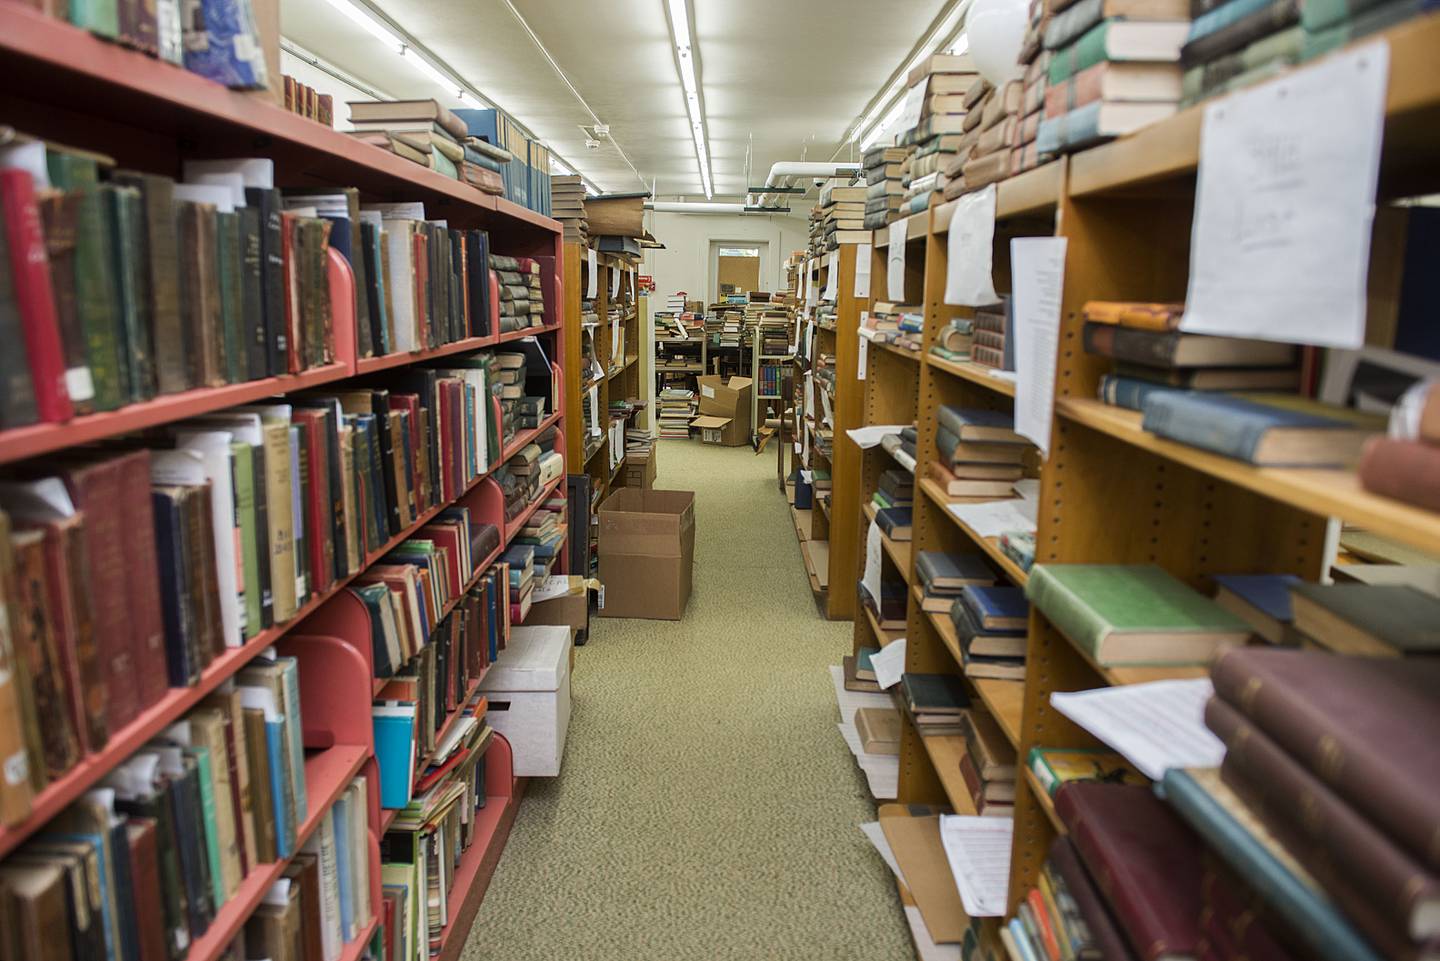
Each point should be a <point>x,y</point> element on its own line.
<point>308,102</point>
<point>979,454</point>
<point>884,191</point>
<point>1114,68</point>
<point>990,621</point>
<point>869,723</point>
<point>842,215</point>
<point>993,342</point>
<point>567,205</point>
<point>677,410</point>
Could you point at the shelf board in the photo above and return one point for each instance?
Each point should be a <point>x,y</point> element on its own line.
<point>1170,149</point>
<point>1006,701</point>
<point>945,752</point>
<point>990,545</point>
<point>911,355</point>
<point>1036,191</point>
<point>1043,799</point>
<point>816,555</point>
<point>804,521</point>
<point>369,365</point>
<point>1327,493</point>
<point>883,636</point>
<point>513,335</point>
<point>899,551</point>
<point>21,442</point>
<point>973,372</point>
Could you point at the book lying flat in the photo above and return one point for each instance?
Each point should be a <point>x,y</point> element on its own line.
<point>1371,620</point>
<point>1262,600</point>
<point>1267,430</point>
<point>941,571</point>
<point>1175,348</point>
<point>940,694</point>
<point>997,608</point>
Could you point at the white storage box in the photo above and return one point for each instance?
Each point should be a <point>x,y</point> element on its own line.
<point>528,688</point>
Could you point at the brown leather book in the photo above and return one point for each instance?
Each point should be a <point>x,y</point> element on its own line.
<point>167,334</point>
<point>261,800</point>
<point>1407,470</point>
<point>1324,711</point>
<point>60,212</point>
<point>18,723</point>
<point>145,886</point>
<point>210,633</point>
<point>34,640</point>
<point>1081,886</point>
<point>35,900</point>
<point>304,871</point>
<point>137,522</point>
<point>200,293</point>
<point>1148,859</point>
<point>273,931</point>
<point>1356,862</point>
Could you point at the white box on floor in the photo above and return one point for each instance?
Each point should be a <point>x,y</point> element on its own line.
<point>528,689</point>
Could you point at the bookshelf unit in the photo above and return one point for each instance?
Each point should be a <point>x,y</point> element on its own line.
<point>75,89</point>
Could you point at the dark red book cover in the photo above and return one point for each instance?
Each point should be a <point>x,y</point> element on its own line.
<point>1233,908</point>
<point>447,455</point>
<point>1321,709</point>
<point>142,575</point>
<point>289,223</point>
<point>30,276</point>
<point>318,505</point>
<point>1407,470</point>
<point>95,489</point>
<point>1081,886</point>
<point>69,607</point>
<point>1146,863</point>
<point>145,884</point>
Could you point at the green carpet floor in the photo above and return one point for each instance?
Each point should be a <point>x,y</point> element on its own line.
<point>707,806</point>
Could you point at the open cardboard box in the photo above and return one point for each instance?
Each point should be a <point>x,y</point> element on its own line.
<point>647,553</point>
<point>724,410</point>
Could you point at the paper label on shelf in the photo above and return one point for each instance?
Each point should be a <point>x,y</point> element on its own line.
<point>895,262</point>
<point>1037,268</point>
<point>863,253</point>
<point>1284,201</point>
<point>809,283</point>
<point>969,277</point>
<point>1155,726</point>
<point>978,849</point>
<point>592,281</point>
<point>889,664</point>
<point>914,106</point>
<point>993,518</point>
<point>874,546</point>
<point>595,410</point>
<point>832,270</point>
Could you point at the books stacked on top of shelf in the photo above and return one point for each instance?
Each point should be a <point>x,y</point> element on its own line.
<point>1114,68</point>
<point>522,297</point>
<point>308,102</point>
<point>677,410</point>
<point>1397,465</point>
<point>990,621</point>
<point>1232,45</point>
<point>842,214</point>
<point>936,703</point>
<point>945,78</point>
<point>567,205</point>
<point>418,130</point>
<point>979,455</point>
<point>128,285</point>
<point>816,232</point>
<point>993,341</point>
<point>172,832</point>
<point>942,576</point>
<point>884,192</point>
<point>955,340</point>
<point>1035,61</point>
<point>902,325</point>
<point>987,145</point>
<point>1330,25</point>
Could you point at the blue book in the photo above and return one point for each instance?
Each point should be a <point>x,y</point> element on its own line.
<point>1021,937</point>
<point>483,123</point>
<point>477,158</point>
<point>290,697</point>
<point>895,522</point>
<point>1309,913</point>
<point>1261,600</point>
<point>863,668</point>
<point>996,608</point>
<point>97,844</point>
<point>340,817</point>
<point>1267,430</point>
<point>222,44</point>
<point>1129,392</point>
<point>975,424</point>
<point>279,777</point>
<point>394,726</point>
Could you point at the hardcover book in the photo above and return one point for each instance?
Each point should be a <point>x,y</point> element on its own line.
<point>1371,620</point>
<point>1175,348</point>
<point>1261,600</point>
<point>1267,430</point>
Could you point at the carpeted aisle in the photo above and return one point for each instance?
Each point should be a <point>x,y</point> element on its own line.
<point>707,806</point>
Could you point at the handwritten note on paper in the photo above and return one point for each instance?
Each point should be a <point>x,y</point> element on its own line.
<point>862,270</point>
<point>978,849</point>
<point>1037,267</point>
<point>889,664</point>
<point>594,274</point>
<point>832,272</point>
<point>970,248</point>
<point>895,262</point>
<point>1156,726</point>
<point>1284,201</point>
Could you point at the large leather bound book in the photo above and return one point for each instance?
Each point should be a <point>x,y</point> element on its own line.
<point>1082,887</point>
<point>146,901</point>
<point>35,645</point>
<point>1322,711</point>
<point>95,300</point>
<point>1147,860</point>
<point>138,540</point>
<point>162,241</point>
<point>18,724</point>
<point>58,212</point>
<point>29,274</point>
<point>1407,470</point>
<point>69,607</point>
<point>1358,864</point>
<point>38,905</point>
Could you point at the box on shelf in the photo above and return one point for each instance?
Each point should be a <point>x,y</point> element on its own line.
<point>528,690</point>
<point>724,410</point>
<point>647,552</point>
<point>562,599</point>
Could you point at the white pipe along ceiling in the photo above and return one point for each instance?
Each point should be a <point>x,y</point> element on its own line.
<point>787,170</point>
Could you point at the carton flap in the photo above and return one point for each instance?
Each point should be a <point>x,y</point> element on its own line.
<point>535,659</point>
<point>711,422</point>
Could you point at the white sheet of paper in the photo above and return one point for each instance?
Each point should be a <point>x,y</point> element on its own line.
<point>810,297</point>
<point>1280,247</point>
<point>870,578</point>
<point>978,849</point>
<point>876,834</point>
<point>593,280</point>
<point>862,270</point>
<point>832,275</point>
<point>969,280</point>
<point>895,262</point>
<point>1037,267</point>
<point>862,360</point>
<point>1028,488</point>
<point>993,518</point>
<point>595,409</point>
<point>914,106</point>
<point>867,437</point>
<point>1156,726</point>
<point>556,585</point>
<point>925,947</point>
<point>889,663</point>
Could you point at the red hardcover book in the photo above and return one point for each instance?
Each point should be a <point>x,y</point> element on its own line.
<point>1045,923</point>
<point>449,537</point>
<point>142,575</point>
<point>30,275</point>
<point>1148,860</point>
<point>69,607</point>
<point>410,404</point>
<point>1081,886</point>
<point>1407,470</point>
<point>95,489</point>
<point>146,901</point>
<point>319,508</point>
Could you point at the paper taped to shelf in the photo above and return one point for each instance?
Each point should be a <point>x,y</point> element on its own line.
<point>889,661</point>
<point>870,578</point>
<point>969,280</point>
<point>1284,203</point>
<point>832,270</point>
<point>862,270</point>
<point>1155,726</point>
<point>895,261</point>
<point>1037,267</point>
<point>592,280</point>
<point>867,437</point>
<point>993,518</point>
<point>978,849</point>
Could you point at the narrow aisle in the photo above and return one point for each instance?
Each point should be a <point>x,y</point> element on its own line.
<point>708,807</point>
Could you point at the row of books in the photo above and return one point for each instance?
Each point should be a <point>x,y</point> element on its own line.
<point>989,617</point>
<point>308,102</point>
<point>426,133</point>
<point>140,866</point>
<point>902,325</point>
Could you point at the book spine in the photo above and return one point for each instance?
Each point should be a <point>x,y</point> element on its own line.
<point>1071,23</point>
<point>1311,917</point>
<point>290,694</point>
<point>95,298</point>
<point>1227,37</point>
<point>29,275</point>
<point>34,640</point>
<point>18,407</point>
<point>1128,392</point>
<point>100,17</point>
<point>1365,871</point>
<point>1085,52</point>
<point>230,268</point>
<point>1070,614</point>
<point>132,261</point>
<point>1175,416</point>
<point>140,567</point>
<point>279,517</point>
<point>59,212</point>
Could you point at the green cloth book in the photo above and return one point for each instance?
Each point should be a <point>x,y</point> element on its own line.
<point>934,693</point>
<point>1368,620</point>
<point>206,778</point>
<point>864,670</point>
<point>1132,614</point>
<point>243,472</point>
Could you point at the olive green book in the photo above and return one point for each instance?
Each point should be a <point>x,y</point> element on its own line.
<point>1132,614</point>
<point>243,471</point>
<point>125,216</point>
<point>95,295</point>
<point>230,268</point>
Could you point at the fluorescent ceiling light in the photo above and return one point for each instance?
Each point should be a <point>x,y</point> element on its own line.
<point>685,60</point>
<point>680,23</point>
<point>362,17</point>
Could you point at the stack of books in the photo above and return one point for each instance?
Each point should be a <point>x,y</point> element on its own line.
<point>1035,59</point>
<point>900,324</point>
<point>991,140</point>
<point>418,130</point>
<point>677,410</point>
<point>896,488</point>
<point>990,621</point>
<point>935,702</point>
<point>993,344</point>
<point>816,236</point>
<point>955,340</point>
<point>522,297</point>
<point>545,532</point>
<point>1330,25</point>
<point>883,189</point>
<point>1114,68</point>
<point>945,78</point>
<point>988,765</point>
<point>1233,45</point>
<point>308,102</point>
<point>842,214</point>
<point>979,454</point>
<point>567,205</point>
<point>942,575</point>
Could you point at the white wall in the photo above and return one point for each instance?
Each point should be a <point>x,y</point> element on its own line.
<point>684,264</point>
<point>323,82</point>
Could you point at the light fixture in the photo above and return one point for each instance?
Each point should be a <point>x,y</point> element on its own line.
<point>363,17</point>
<point>935,42</point>
<point>685,67</point>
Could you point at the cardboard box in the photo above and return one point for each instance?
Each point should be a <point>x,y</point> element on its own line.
<point>528,690</point>
<point>647,552</point>
<point>640,470</point>
<point>724,410</point>
<point>566,602</point>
